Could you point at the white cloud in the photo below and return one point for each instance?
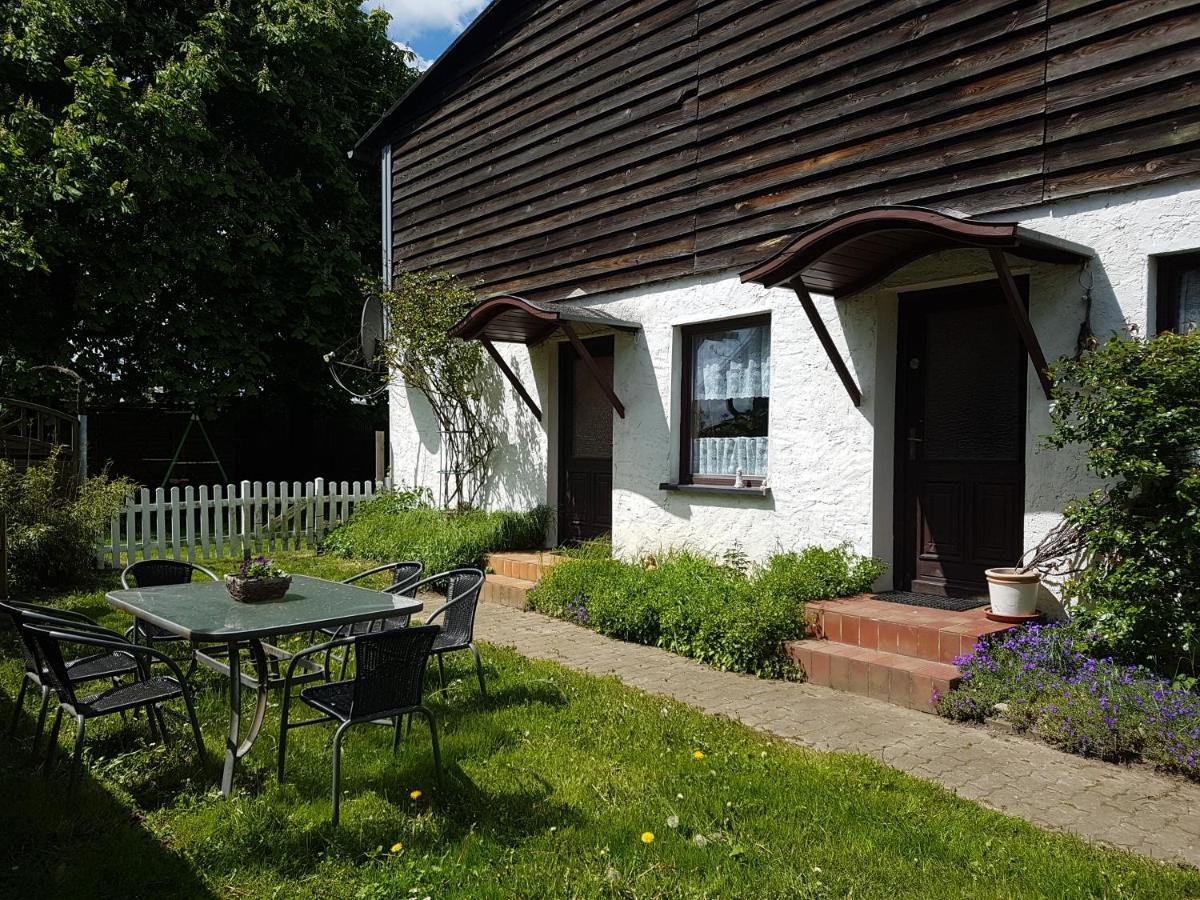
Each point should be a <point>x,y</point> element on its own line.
<point>418,60</point>
<point>413,17</point>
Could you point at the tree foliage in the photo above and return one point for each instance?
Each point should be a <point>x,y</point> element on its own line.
<point>177,211</point>
<point>421,308</point>
<point>1134,406</point>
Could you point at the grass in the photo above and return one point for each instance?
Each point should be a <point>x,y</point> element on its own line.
<point>551,783</point>
<point>389,528</point>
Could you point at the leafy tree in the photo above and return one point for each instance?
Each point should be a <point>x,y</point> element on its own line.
<point>1134,405</point>
<point>178,216</point>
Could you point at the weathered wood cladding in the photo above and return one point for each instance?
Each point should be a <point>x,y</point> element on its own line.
<point>601,144</point>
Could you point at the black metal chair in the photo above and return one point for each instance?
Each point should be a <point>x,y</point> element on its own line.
<point>111,666</point>
<point>388,684</point>
<point>458,616</point>
<point>404,574</point>
<point>147,691</point>
<point>155,573</point>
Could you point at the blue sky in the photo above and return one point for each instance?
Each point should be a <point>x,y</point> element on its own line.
<point>428,26</point>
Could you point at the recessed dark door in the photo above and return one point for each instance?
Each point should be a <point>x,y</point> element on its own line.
<point>960,442</point>
<point>585,444</point>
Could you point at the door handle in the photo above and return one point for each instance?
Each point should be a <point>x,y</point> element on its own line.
<point>913,441</point>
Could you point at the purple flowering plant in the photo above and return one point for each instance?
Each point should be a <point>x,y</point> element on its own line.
<point>1048,683</point>
<point>260,567</point>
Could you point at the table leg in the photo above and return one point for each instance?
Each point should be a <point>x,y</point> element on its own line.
<point>235,747</point>
<point>235,718</point>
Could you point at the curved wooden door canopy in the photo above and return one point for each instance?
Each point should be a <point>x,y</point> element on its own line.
<point>857,250</point>
<point>515,320</point>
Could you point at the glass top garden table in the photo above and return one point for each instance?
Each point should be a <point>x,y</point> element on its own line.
<point>204,613</point>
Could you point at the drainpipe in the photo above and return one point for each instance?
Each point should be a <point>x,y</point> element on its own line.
<point>386,207</point>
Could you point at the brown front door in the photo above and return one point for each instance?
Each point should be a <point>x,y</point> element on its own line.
<point>960,441</point>
<point>585,444</point>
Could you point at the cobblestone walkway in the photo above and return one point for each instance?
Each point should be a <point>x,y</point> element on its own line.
<point>1130,808</point>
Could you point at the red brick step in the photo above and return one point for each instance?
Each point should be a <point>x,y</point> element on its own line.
<point>932,634</point>
<point>902,680</point>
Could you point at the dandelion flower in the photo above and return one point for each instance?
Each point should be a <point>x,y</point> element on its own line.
<point>672,821</point>
<point>699,754</point>
<point>647,837</point>
<point>397,847</point>
<point>414,795</point>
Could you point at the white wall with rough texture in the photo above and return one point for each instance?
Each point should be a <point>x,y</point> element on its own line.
<point>519,476</point>
<point>831,463</point>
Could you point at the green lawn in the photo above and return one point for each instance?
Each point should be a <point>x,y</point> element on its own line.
<point>551,784</point>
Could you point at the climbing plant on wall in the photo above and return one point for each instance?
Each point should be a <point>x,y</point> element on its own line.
<point>421,307</point>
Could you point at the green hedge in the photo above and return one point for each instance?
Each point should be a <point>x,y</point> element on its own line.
<point>398,526</point>
<point>719,613</point>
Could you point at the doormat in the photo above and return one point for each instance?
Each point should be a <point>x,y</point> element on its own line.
<point>933,601</point>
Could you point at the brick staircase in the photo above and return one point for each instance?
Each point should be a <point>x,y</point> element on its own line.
<point>511,576</point>
<point>889,651</point>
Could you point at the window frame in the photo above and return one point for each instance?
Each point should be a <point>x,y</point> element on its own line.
<point>1168,268</point>
<point>689,333</point>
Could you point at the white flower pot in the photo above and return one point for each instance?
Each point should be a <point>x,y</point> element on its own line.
<point>1013,592</point>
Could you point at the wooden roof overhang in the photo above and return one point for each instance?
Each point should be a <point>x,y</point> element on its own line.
<point>515,320</point>
<point>855,251</point>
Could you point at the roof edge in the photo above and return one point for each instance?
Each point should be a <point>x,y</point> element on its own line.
<point>373,139</point>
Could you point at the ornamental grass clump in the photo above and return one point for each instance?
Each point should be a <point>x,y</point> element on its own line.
<point>1045,680</point>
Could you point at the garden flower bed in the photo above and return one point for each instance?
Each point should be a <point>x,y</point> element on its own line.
<point>730,614</point>
<point>1043,681</point>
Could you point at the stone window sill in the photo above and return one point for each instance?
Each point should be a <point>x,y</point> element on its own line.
<point>715,489</point>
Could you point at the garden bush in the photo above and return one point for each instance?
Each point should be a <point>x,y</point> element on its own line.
<point>400,525</point>
<point>1047,680</point>
<point>54,523</point>
<point>1135,408</point>
<point>728,614</point>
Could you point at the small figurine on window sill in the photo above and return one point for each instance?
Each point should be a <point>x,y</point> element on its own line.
<point>738,480</point>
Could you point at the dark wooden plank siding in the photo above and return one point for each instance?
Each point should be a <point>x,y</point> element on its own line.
<point>604,144</point>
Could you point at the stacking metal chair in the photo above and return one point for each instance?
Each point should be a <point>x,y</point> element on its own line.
<point>457,616</point>
<point>146,692</point>
<point>388,685</point>
<point>404,575</point>
<point>98,666</point>
<point>153,573</point>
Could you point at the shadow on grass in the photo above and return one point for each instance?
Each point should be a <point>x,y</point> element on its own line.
<point>84,843</point>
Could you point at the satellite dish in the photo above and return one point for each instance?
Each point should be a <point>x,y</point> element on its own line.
<point>371,330</point>
<point>355,365</point>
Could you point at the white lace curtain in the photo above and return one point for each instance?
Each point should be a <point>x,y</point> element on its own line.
<point>733,366</point>
<point>736,366</point>
<point>725,455</point>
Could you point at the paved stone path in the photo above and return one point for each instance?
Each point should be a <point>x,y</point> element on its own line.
<point>1131,808</point>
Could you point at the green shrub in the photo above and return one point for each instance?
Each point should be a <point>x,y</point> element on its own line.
<point>53,523</point>
<point>399,526</point>
<point>816,573</point>
<point>1135,407</point>
<point>723,613</point>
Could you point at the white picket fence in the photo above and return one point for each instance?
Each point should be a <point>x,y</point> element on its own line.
<point>215,522</point>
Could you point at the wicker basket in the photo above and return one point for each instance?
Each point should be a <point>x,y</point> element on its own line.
<point>257,590</point>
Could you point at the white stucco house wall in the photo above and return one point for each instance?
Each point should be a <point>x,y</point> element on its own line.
<point>832,465</point>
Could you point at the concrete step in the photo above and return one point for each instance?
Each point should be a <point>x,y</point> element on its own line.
<point>902,680</point>
<point>528,566</point>
<point>506,590</point>
<point>931,634</point>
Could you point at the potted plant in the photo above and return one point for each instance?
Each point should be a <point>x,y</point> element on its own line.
<point>1014,590</point>
<point>257,580</point>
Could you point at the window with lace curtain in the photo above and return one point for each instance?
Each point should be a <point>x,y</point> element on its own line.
<point>726,395</point>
